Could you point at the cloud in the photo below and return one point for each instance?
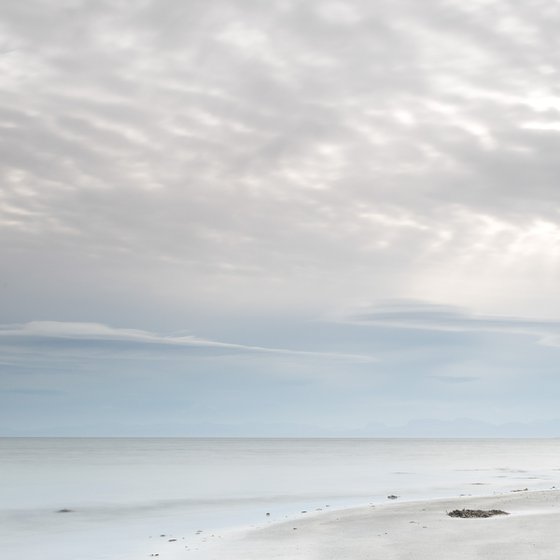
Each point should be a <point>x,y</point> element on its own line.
<point>454,379</point>
<point>92,332</point>
<point>433,317</point>
<point>32,392</point>
<point>228,147</point>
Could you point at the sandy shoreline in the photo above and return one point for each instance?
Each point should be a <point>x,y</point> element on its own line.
<point>411,531</point>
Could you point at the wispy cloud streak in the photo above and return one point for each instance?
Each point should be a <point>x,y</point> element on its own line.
<point>45,330</point>
<point>452,319</point>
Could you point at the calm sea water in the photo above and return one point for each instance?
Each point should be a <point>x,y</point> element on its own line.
<point>125,493</point>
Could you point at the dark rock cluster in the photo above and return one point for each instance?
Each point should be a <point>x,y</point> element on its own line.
<point>467,513</point>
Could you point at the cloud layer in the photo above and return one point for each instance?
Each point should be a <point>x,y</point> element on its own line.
<point>283,155</point>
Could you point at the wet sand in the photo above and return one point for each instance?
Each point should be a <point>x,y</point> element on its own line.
<point>411,531</point>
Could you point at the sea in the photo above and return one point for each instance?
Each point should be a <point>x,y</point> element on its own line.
<point>135,498</point>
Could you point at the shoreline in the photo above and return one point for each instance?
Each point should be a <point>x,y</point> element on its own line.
<point>412,530</point>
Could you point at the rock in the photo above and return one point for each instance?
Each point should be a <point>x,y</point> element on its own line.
<point>392,497</point>
<point>469,513</point>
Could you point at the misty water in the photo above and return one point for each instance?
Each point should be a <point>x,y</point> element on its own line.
<point>125,493</point>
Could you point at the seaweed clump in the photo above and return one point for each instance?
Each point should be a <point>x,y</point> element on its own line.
<point>469,513</point>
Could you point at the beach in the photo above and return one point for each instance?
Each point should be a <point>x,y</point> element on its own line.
<point>419,530</point>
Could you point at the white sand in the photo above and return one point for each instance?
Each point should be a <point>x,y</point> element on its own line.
<point>411,531</point>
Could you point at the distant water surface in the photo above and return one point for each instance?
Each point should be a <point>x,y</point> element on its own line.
<point>125,493</point>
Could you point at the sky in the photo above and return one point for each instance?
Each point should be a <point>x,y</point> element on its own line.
<point>280,218</point>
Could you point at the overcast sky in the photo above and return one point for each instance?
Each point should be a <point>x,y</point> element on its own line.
<point>279,217</point>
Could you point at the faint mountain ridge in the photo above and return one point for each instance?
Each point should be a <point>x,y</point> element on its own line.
<point>418,428</point>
